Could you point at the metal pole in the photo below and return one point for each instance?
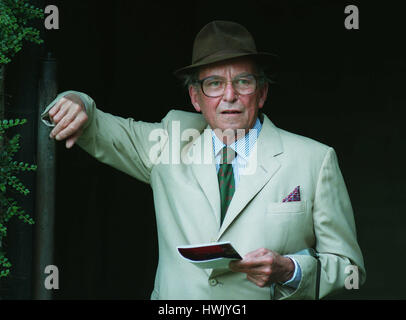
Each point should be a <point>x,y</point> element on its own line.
<point>45,202</point>
<point>2,81</point>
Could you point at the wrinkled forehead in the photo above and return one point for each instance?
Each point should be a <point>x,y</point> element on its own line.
<point>228,68</point>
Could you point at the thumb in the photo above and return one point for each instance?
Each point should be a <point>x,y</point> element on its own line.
<point>234,265</point>
<point>231,265</point>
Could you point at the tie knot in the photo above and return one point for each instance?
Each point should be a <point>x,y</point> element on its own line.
<point>227,155</point>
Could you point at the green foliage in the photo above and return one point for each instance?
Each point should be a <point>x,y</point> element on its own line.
<point>14,29</point>
<point>9,182</point>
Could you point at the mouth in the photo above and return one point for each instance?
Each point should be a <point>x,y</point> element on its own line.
<point>231,112</point>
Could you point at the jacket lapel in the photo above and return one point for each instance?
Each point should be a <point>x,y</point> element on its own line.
<point>262,167</point>
<point>200,156</point>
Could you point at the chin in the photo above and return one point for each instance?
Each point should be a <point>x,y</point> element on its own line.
<point>234,127</point>
<point>229,125</point>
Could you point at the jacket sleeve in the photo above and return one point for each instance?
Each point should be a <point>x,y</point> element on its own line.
<point>336,240</point>
<point>130,146</point>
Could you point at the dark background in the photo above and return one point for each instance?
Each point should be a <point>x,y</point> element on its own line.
<point>344,88</point>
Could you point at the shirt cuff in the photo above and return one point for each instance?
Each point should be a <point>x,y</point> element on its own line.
<point>297,276</point>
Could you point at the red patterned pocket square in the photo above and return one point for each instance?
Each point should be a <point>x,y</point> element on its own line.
<point>294,196</point>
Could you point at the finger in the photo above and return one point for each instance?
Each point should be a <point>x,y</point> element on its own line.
<point>60,123</point>
<point>70,142</point>
<point>245,265</point>
<point>72,127</point>
<point>68,118</point>
<point>252,263</point>
<point>251,278</point>
<point>55,109</point>
<point>259,253</point>
<point>63,110</point>
<point>253,255</point>
<point>262,271</point>
<point>60,120</point>
<point>258,281</point>
<point>60,126</point>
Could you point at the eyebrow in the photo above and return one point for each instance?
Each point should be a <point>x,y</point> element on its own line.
<point>243,74</point>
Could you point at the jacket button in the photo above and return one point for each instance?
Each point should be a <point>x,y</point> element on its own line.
<point>213,282</point>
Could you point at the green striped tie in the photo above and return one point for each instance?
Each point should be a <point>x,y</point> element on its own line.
<point>226,181</point>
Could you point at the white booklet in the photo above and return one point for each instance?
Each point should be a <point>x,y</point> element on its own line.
<point>210,255</point>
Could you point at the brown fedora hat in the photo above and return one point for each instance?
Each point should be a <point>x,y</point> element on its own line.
<point>223,40</point>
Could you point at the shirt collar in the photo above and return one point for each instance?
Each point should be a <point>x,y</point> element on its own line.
<point>242,146</point>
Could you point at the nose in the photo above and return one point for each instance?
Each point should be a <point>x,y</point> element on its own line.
<point>229,93</point>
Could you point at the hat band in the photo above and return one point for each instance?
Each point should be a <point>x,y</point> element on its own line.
<point>221,53</point>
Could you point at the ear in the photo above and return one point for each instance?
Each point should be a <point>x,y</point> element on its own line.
<point>263,94</point>
<point>194,97</point>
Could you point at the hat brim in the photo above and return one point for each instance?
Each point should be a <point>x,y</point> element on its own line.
<point>265,59</point>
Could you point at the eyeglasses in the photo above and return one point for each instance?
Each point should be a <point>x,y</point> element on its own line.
<point>215,86</point>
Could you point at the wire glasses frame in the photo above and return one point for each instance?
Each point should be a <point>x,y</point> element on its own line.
<point>215,86</point>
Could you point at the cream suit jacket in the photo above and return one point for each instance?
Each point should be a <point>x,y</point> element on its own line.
<point>187,202</point>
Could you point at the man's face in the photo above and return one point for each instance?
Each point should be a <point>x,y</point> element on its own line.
<point>231,110</point>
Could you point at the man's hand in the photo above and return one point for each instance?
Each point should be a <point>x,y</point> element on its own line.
<point>69,116</point>
<point>264,267</point>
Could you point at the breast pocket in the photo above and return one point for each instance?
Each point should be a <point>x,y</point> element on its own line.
<point>286,207</point>
<point>289,225</point>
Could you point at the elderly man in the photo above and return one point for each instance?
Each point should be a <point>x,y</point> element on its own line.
<point>228,174</point>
